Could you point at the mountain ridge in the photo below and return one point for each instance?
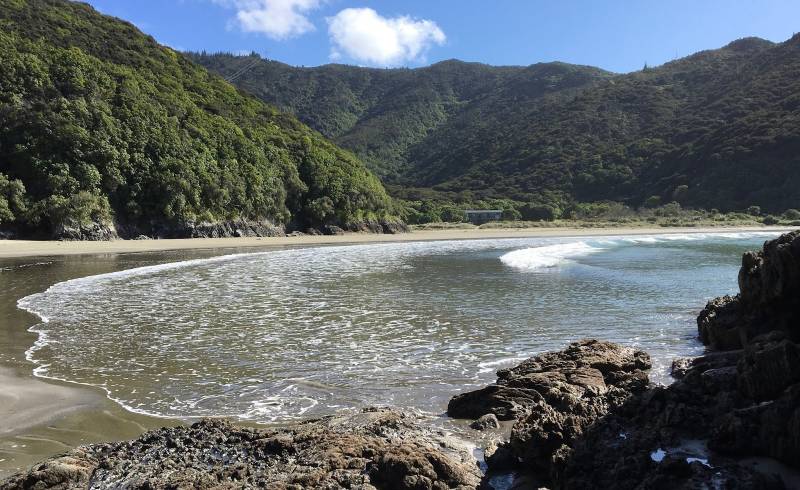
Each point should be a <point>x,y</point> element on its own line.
<point>560,133</point>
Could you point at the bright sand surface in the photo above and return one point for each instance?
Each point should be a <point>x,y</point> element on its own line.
<point>39,417</point>
<point>29,248</point>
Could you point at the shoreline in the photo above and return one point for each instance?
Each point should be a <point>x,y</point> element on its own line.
<point>33,248</point>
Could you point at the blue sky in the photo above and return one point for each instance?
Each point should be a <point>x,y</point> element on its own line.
<point>616,35</point>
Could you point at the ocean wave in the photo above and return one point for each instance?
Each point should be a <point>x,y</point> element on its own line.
<point>552,256</point>
<point>536,258</point>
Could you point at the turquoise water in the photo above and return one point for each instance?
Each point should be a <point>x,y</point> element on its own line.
<point>284,335</point>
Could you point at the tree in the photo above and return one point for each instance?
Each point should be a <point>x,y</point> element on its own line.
<point>12,199</point>
<point>652,202</point>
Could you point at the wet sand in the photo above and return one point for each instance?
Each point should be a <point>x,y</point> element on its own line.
<point>39,418</point>
<point>29,248</point>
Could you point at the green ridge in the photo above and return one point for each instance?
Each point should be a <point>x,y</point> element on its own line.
<point>99,122</point>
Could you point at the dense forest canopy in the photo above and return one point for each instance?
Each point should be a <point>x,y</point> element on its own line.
<point>718,129</point>
<point>98,123</point>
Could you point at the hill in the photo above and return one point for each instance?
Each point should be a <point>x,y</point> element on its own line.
<point>101,125</point>
<point>718,129</point>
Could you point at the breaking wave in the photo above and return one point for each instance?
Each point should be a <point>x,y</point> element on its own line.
<point>550,256</point>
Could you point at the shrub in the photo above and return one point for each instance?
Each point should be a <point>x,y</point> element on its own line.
<point>753,210</point>
<point>770,220</point>
<point>536,212</point>
<point>792,214</point>
<point>670,209</point>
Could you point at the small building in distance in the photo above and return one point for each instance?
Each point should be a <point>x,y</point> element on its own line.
<point>480,216</point>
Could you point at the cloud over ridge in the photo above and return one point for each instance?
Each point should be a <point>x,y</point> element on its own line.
<point>365,36</point>
<point>277,19</point>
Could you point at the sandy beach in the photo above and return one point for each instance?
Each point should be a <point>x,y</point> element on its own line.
<point>30,248</point>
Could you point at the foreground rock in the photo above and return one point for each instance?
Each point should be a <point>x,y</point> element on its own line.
<point>372,449</point>
<point>769,284</point>
<point>554,397</point>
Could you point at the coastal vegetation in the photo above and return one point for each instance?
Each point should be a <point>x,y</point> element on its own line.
<point>431,214</point>
<point>99,123</point>
<point>719,129</point>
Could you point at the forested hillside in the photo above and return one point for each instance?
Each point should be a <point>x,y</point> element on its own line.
<point>718,129</point>
<point>99,124</point>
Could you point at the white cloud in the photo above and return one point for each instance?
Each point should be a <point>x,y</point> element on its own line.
<point>278,19</point>
<point>363,35</point>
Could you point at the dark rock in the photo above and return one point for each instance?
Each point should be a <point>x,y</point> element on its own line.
<point>394,227</point>
<point>554,397</point>
<point>767,369</point>
<point>506,403</point>
<point>374,448</point>
<point>765,429</point>
<point>234,228</point>
<point>366,226</point>
<point>499,457</point>
<point>680,367</point>
<point>718,323</point>
<point>73,231</point>
<point>596,422</point>
<point>769,292</point>
<point>486,422</point>
<point>375,226</point>
<point>204,229</point>
<point>332,230</point>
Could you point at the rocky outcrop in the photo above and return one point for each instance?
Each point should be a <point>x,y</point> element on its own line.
<point>220,229</point>
<point>203,229</point>
<point>373,449</point>
<point>553,398</point>
<point>237,228</point>
<point>73,231</point>
<point>374,226</point>
<point>741,400</point>
<point>768,299</point>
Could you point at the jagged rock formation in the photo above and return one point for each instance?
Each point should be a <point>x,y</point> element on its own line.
<point>554,397</point>
<point>769,298</point>
<point>373,449</point>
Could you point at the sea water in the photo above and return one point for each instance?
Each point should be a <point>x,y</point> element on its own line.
<point>285,335</point>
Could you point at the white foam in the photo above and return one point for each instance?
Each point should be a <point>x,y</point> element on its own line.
<point>536,258</point>
<point>703,461</point>
<point>489,366</point>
